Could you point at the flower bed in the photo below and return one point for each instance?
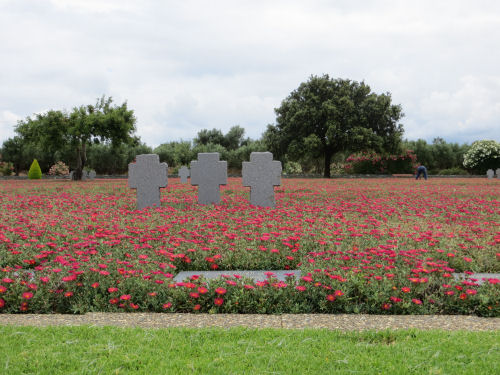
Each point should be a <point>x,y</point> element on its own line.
<point>363,246</point>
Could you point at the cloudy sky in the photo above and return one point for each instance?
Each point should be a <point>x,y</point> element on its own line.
<point>188,65</point>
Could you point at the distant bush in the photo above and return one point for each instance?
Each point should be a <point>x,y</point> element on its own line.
<point>59,169</point>
<point>35,173</point>
<point>6,168</point>
<point>292,167</point>
<point>373,163</point>
<point>482,156</point>
<point>453,171</point>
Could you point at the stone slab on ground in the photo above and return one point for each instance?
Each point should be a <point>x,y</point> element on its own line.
<point>342,322</point>
<point>479,276</point>
<point>255,275</point>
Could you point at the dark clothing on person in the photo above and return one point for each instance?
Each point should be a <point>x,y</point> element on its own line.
<point>421,170</point>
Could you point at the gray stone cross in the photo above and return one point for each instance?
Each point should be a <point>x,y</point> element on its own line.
<point>184,174</point>
<point>261,174</point>
<point>208,173</point>
<point>147,175</point>
<point>490,173</point>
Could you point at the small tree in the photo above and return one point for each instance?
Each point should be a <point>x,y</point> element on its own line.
<point>35,173</point>
<point>482,155</point>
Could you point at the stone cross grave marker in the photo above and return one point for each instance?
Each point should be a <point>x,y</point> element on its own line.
<point>490,173</point>
<point>147,175</point>
<point>208,173</point>
<point>498,172</point>
<point>184,174</point>
<point>261,173</point>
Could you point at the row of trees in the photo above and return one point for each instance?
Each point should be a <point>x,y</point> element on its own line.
<point>317,127</point>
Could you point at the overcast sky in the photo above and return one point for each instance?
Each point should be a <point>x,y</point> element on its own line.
<point>188,65</point>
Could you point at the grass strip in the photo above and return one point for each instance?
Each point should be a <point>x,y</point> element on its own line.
<point>113,350</point>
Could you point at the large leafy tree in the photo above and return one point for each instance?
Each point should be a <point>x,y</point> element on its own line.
<point>324,116</point>
<point>102,122</point>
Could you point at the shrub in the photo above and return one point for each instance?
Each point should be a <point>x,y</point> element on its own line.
<point>482,156</point>
<point>373,163</point>
<point>453,171</point>
<point>292,167</point>
<point>6,168</point>
<point>59,169</point>
<point>35,173</point>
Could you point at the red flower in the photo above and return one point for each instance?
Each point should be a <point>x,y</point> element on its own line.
<point>330,297</point>
<point>338,293</point>
<point>27,295</point>
<point>125,297</point>
<point>386,306</point>
<point>112,290</point>
<point>196,307</point>
<point>300,288</point>
<point>221,291</point>
<point>405,289</point>
<point>68,294</point>
<point>202,290</point>
<point>2,303</point>
<point>2,289</point>
<point>416,301</point>
<point>167,305</point>
<point>95,285</point>
<point>218,301</point>
<point>194,295</point>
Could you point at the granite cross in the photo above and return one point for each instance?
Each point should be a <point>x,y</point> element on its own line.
<point>184,174</point>
<point>147,175</point>
<point>262,174</point>
<point>208,173</point>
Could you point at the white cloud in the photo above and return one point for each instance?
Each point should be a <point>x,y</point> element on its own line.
<point>185,66</point>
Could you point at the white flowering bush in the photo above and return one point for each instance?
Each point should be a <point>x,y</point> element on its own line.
<point>292,167</point>
<point>482,155</point>
<point>59,169</point>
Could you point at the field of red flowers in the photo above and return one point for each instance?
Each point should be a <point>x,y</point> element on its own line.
<point>363,246</point>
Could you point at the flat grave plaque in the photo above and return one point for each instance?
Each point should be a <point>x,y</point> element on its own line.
<point>478,276</point>
<point>281,275</point>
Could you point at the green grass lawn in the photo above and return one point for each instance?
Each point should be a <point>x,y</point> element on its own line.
<point>110,350</point>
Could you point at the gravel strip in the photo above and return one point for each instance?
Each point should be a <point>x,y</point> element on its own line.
<point>343,322</point>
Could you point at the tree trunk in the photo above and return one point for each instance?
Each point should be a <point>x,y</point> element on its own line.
<point>77,175</point>
<point>328,160</point>
<point>81,158</point>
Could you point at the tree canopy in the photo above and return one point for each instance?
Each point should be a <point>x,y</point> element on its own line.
<point>324,116</point>
<point>102,122</point>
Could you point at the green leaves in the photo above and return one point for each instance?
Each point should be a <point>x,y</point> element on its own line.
<point>325,116</point>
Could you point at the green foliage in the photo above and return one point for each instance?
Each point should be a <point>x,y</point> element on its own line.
<point>35,173</point>
<point>455,171</point>
<point>439,155</point>
<point>57,131</point>
<point>292,167</point>
<point>107,159</point>
<point>6,168</point>
<point>482,155</point>
<point>325,116</point>
<point>175,154</point>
